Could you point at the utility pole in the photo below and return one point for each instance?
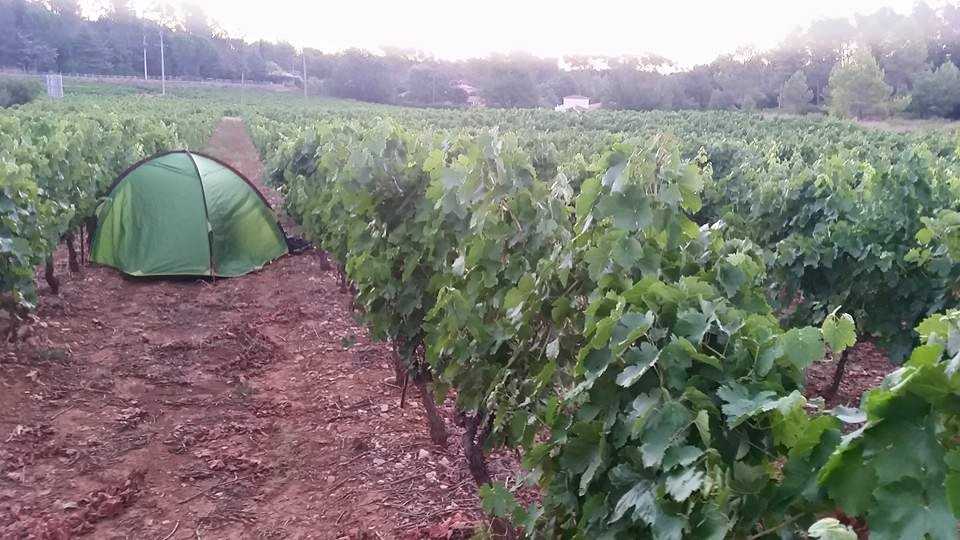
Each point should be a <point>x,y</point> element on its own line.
<point>303,56</point>
<point>163,68</point>
<point>242,87</point>
<point>145,77</point>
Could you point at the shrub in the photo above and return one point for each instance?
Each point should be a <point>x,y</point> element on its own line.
<point>18,91</point>
<point>937,93</point>
<point>857,88</point>
<point>795,95</point>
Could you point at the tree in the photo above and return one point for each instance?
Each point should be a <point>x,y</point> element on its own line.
<point>825,43</point>
<point>741,77</point>
<point>637,83</point>
<point>928,24</point>
<point>513,80</point>
<point>360,75</point>
<point>903,63</point>
<point>696,87</point>
<point>582,74</point>
<point>898,43</point>
<point>88,54</point>
<point>55,35</point>
<point>780,65</point>
<point>510,87</point>
<point>430,84</point>
<point>795,95</point>
<point>122,10</point>
<point>563,84</point>
<point>721,99</point>
<point>857,88</point>
<point>253,64</point>
<point>34,53</point>
<point>319,65</point>
<point>937,93</point>
<point>949,34</point>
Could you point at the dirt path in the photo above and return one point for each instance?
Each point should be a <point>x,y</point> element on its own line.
<point>252,407</point>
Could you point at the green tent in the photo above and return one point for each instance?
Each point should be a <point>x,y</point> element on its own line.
<point>184,213</point>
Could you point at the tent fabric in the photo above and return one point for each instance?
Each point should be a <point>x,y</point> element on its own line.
<point>184,213</point>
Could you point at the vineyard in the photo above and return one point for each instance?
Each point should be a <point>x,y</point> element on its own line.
<point>629,303</point>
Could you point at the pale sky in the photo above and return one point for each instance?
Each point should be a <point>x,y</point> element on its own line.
<point>686,31</point>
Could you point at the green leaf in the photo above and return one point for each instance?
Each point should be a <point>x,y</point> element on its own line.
<point>839,332</point>
<point>498,501</point>
<point>667,527</point>
<point>952,484</point>
<point>627,252</point>
<point>925,355</point>
<point>671,196</point>
<point>934,327</point>
<point>628,213</point>
<point>802,346</point>
<point>664,430</point>
<point>529,518</point>
<point>640,498</point>
<point>589,191</point>
<point>585,451</point>
<point>731,278</point>
<point>515,297</point>
<point>702,421</point>
<point>681,485</point>
<point>740,405</point>
<point>749,478</point>
<point>902,511</point>
<point>639,361</point>
<point>636,325</point>
<point>615,177</point>
<point>713,524</point>
<point>849,415</point>
<point>691,324</point>
<point>849,481</point>
<point>683,456</point>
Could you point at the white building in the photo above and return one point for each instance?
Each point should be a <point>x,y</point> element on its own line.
<point>577,103</point>
<point>474,99</point>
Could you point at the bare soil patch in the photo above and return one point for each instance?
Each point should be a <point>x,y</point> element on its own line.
<point>866,367</point>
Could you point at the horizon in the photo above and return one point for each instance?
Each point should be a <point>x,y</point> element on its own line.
<point>547,30</point>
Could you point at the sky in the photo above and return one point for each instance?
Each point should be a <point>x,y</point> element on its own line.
<point>686,31</point>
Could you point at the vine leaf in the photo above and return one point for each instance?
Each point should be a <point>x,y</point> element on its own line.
<point>839,332</point>
<point>681,485</point>
<point>802,346</point>
<point>641,360</point>
<point>663,431</point>
<point>498,501</point>
<point>640,499</point>
<point>740,405</point>
<point>902,511</point>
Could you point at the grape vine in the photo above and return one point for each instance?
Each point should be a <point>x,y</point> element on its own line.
<point>627,350</point>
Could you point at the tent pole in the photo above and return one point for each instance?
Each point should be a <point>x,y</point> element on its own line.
<point>206,216</point>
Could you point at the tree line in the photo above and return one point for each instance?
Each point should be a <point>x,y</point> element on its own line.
<point>871,65</point>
